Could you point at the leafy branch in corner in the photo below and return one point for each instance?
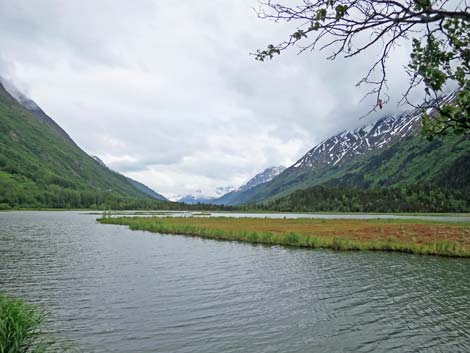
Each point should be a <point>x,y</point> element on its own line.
<point>439,31</point>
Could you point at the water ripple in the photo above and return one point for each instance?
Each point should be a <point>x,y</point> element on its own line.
<point>113,290</point>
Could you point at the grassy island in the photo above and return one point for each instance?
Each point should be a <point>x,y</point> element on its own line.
<point>410,236</point>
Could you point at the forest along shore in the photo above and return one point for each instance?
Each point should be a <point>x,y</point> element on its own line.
<point>410,236</point>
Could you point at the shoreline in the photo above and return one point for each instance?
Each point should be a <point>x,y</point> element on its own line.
<point>418,237</point>
<point>95,211</point>
<point>447,214</point>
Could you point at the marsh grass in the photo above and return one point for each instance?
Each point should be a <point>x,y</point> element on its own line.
<point>22,329</point>
<point>363,235</point>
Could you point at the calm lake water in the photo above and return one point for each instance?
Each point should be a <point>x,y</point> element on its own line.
<point>109,289</point>
<point>439,218</point>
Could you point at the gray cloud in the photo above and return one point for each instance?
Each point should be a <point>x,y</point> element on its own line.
<point>167,92</point>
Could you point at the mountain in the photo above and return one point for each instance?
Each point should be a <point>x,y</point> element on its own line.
<point>32,107</point>
<point>142,187</point>
<point>41,166</point>
<point>390,152</point>
<point>348,145</point>
<point>145,189</point>
<point>409,198</point>
<point>261,178</point>
<point>225,195</point>
<point>100,161</point>
<point>193,200</point>
<point>207,198</point>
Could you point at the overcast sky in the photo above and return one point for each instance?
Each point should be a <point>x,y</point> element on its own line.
<point>166,91</point>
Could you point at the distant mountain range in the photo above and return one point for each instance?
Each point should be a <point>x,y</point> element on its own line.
<point>199,196</point>
<point>226,194</point>
<point>41,166</point>
<point>259,179</point>
<point>195,199</point>
<point>263,177</point>
<point>390,152</point>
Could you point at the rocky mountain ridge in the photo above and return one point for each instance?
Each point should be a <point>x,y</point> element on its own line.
<point>389,151</point>
<point>259,179</point>
<point>227,192</point>
<point>348,145</point>
<point>267,175</point>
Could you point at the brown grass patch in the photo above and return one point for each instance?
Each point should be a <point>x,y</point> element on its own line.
<point>358,230</point>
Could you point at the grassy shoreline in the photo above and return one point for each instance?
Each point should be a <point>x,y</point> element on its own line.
<point>416,237</point>
<point>430,214</point>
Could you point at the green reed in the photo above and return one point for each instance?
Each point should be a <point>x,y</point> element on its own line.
<point>159,225</point>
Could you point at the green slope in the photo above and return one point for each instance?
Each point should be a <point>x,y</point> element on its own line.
<point>146,190</point>
<point>41,167</point>
<point>412,198</point>
<point>408,161</point>
<point>413,160</point>
<point>411,175</point>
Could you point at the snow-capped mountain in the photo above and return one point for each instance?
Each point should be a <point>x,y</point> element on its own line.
<point>380,153</point>
<point>263,177</point>
<point>349,144</point>
<point>199,196</point>
<point>259,179</point>
<point>192,199</point>
<point>223,195</point>
<point>222,190</point>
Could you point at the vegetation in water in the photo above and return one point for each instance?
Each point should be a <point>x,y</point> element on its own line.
<point>417,237</point>
<point>22,329</point>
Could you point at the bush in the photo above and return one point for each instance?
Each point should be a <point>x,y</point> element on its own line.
<point>20,326</point>
<point>22,329</point>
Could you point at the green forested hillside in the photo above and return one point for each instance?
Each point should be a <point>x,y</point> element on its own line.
<point>409,161</point>
<point>412,198</point>
<point>411,175</point>
<point>146,190</point>
<point>41,167</point>
<point>413,160</point>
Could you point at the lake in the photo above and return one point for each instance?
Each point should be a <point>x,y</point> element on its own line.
<point>366,216</point>
<point>109,289</point>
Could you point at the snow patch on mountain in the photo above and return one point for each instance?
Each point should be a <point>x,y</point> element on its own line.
<point>220,193</point>
<point>204,196</point>
<point>263,177</point>
<point>350,144</point>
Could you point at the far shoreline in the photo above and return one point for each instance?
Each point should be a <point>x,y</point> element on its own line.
<point>100,211</point>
